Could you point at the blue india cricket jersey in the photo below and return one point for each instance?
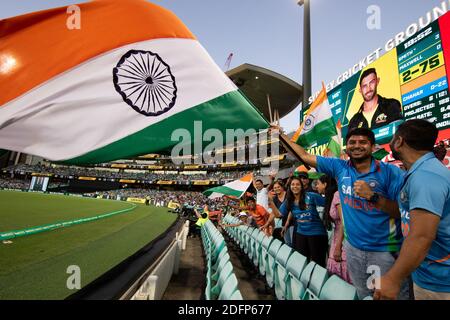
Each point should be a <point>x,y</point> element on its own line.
<point>366,227</point>
<point>308,220</point>
<point>427,187</point>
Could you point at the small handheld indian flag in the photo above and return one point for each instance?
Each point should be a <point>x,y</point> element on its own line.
<point>318,124</point>
<point>115,88</point>
<point>234,188</point>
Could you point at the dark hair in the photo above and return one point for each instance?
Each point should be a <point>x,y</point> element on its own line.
<point>302,174</point>
<point>366,73</point>
<point>290,197</point>
<point>280,183</point>
<point>418,134</point>
<point>204,215</point>
<point>361,132</point>
<point>259,180</point>
<point>251,199</point>
<point>330,190</point>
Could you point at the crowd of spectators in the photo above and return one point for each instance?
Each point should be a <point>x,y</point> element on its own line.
<point>9,183</point>
<point>184,198</point>
<point>144,175</point>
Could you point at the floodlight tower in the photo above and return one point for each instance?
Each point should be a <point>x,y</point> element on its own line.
<point>306,54</point>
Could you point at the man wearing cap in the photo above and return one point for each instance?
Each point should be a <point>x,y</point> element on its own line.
<point>242,216</point>
<point>306,183</point>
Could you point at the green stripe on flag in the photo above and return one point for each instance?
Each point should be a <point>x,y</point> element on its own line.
<point>380,154</point>
<point>224,190</point>
<point>229,111</point>
<point>320,131</point>
<point>335,148</point>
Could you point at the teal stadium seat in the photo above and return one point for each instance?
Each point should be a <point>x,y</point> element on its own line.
<point>257,247</point>
<point>241,235</point>
<point>213,293</point>
<point>236,296</point>
<point>337,289</point>
<point>221,262</point>
<point>280,271</point>
<point>270,258</point>
<point>229,288</point>
<point>317,279</point>
<point>251,242</point>
<point>248,239</point>
<point>294,268</point>
<point>263,256</point>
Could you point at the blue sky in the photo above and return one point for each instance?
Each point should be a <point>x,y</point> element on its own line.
<point>269,33</point>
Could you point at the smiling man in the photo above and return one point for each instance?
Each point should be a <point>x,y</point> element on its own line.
<point>376,111</point>
<point>372,236</point>
<point>424,201</point>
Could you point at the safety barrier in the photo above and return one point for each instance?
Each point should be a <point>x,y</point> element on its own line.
<point>154,282</point>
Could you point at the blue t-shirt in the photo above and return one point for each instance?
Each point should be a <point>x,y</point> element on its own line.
<point>366,227</point>
<point>308,220</point>
<point>427,187</point>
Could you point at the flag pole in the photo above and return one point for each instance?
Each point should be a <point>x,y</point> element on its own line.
<point>292,151</point>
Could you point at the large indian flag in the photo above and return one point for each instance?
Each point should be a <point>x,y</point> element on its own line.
<point>234,188</point>
<point>318,124</point>
<point>115,88</point>
<point>334,146</point>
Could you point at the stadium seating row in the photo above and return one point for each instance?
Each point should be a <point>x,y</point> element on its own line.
<point>221,282</point>
<point>286,270</point>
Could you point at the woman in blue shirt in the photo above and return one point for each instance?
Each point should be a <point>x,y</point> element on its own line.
<point>311,239</point>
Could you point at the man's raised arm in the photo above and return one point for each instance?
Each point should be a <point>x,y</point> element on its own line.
<point>298,151</point>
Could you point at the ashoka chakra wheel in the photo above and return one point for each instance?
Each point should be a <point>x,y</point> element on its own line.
<point>145,82</point>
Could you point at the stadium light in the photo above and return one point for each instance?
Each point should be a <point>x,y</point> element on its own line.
<point>306,54</point>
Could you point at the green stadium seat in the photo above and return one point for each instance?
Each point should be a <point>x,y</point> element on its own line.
<point>294,268</point>
<point>337,289</point>
<point>263,256</point>
<point>229,287</point>
<point>214,292</point>
<point>241,231</point>
<point>270,258</point>
<point>244,237</point>
<point>316,281</point>
<point>236,296</point>
<point>247,239</point>
<point>257,247</point>
<point>251,242</point>
<point>280,271</point>
<point>214,272</point>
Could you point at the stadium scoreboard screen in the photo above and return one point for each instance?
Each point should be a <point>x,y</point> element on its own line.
<point>39,183</point>
<point>415,73</point>
<point>423,79</point>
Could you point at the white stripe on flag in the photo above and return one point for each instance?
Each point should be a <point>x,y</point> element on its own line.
<point>82,100</point>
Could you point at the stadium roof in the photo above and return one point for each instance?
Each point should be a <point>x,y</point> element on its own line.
<point>258,83</point>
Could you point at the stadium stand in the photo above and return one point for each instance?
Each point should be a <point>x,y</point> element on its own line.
<point>292,277</point>
<point>221,281</point>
